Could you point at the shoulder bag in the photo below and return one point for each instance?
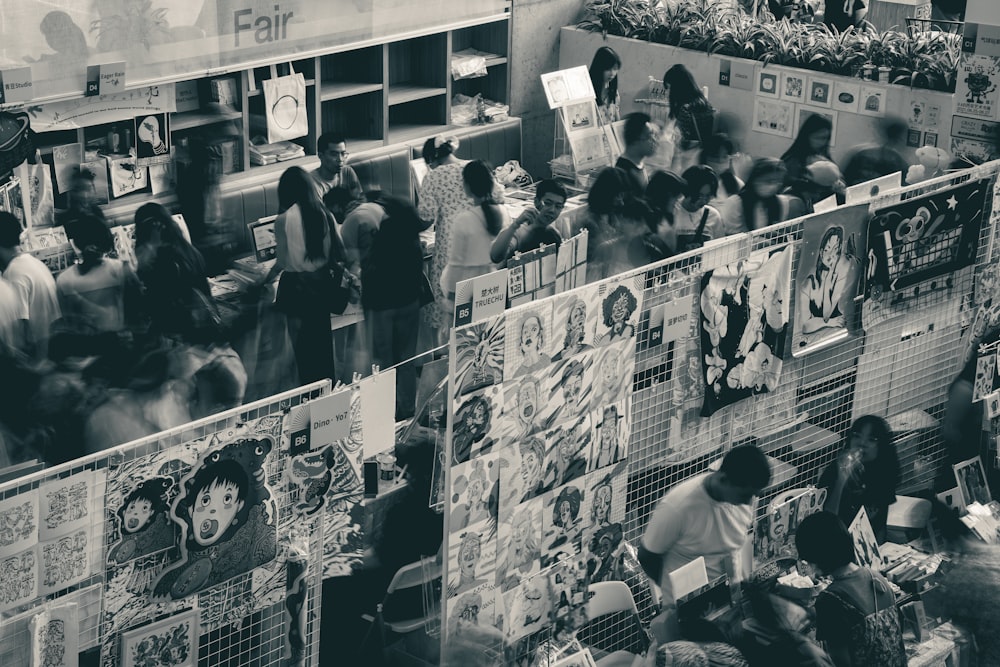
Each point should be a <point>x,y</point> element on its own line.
<point>694,240</point>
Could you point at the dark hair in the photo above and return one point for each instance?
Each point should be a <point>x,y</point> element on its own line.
<point>800,148</point>
<point>296,187</point>
<point>893,128</point>
<point>664,186</point>
<point>683,89</point>
<point>91,232</point>
<point>609,301</point>
<point>478,176</point>
<point>548,186</point>
<point>698,177</point>
<point>635,125</point>
<point>823,539</point>
<point>328,139</point>
<point>431,152</point>
<point>10,230</point>
<point>831,231</point>
<point>746,466</point>
<point>761,168</point>
<point>610,184</point>
<point>225,471</point>
<point>153,216</point>
<point>337,197</point>
<point>636,208</point>
<point>151,490</point>
<point>571,495</point>
<point>605,59</point>
<point>884,470</point>
<point>716,144</point>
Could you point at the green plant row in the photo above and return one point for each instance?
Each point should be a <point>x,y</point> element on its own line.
<point>925,59</point>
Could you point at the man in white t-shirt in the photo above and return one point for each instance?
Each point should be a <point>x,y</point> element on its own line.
<point>35,286</point>
<point>708,515</point>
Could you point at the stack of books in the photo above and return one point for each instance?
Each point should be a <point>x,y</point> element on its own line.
<point>276,152</point>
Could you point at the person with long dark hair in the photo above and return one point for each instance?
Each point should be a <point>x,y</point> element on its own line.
<point>604,75</point>
<point>717,152</point>
<point>694,116</point>
<point>758,204</point>
<point>605,203</point>
<point>811,143</point>
<point>473,231</point>
<point>865,474</point>
<point>660,241</point>
<point>306,246</point>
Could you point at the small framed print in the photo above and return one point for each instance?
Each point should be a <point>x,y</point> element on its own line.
<point>872,102</point>
<point>971,479</point>
<point>820,92</point>
<point>793,86</point>
<point>580,115</point>
<point>768,82</point>
<point>845,96</point>
<point>172,642</point>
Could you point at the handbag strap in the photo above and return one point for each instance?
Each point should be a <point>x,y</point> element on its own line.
<point>274,69</point>
<point>701,225</point>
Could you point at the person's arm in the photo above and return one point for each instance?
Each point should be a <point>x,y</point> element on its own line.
<point>505,244</point>
<point>652,563</point>
<point>351,181</point>
<point>664,529</point>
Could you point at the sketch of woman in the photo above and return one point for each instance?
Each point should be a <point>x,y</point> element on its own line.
<point>532,342</point>
<point>469,552</point>
<point>477,507</point>
<point>569,461</point>
<point>472,423</point>
<point>821,295</point>
<point>522,551</point>
<point>600,508</point>
<point>618,308</point>
<point>607,446</point>
<point>566,517</point>
<point>576,331</point>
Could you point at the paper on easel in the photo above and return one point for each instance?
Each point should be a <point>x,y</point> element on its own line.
<point>378,412</point>
<point>688,578</point>
<point>567,85</point>
<point>589,150</point>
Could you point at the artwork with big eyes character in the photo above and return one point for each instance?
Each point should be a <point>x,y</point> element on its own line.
<point>476,424</point>
<point>614,368</point>
<point>568,454</point>
<point>612,429</point>
<point>471,558</point>
<point>479,355</point>
<point>529,334</point>
<point>472,487</point>
<point>574,322</point>
<point>519,543</point>
<point>620,305</point>
<point>227,519</point>
<point>143,521</point>
<point>473,607</point>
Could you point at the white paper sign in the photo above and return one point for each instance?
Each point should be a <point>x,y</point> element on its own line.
<point>481,297</point>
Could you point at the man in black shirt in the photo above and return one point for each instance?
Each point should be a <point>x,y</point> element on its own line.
<point>642,136</point>
<point>533,228</point>
<point>842,14</point>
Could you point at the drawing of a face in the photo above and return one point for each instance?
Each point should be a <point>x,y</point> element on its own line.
<point>567,447</point>
<point>620,309</point>
<point>475,419</point>
<point>531,335</point>
<point>532,604</point>
<point>137,515</point>
<point>831,251</point>
<point>572,388</point>
<point>214,510</point>
<point>468,555</point>
<point>527,398</point>
<point>530,469</point>
<point>609,372</point>
<point>602,504</point>
<point>565,514</point>
<point>577,316</point>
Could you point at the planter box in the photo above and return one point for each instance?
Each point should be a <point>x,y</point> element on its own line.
<point>641,59</point>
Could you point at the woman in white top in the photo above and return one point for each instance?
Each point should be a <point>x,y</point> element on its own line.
<point>758,204</point>
<point>694,220</point>
<point>473,231</point>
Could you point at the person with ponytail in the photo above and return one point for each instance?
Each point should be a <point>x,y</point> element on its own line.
<point>306,245</point>
<point>473,231</point>
<point>758,204</point>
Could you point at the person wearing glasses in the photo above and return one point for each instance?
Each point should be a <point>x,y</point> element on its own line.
<point>333,170</point>
<point>533,228</point>
<point>695,220</point>
<point>642,137</point>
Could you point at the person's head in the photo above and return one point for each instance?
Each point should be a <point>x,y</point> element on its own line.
<point>822,177</point>
<point>893,130</point>
<point>218,493</point>
<point>332,151</point>
<point>830,247</point>
<point>219,385</point>
<point>478,181</point>
<point>550,199</point>
<point>607,371</point>
<point>532,334</point>
<point>744,473</point>
<point>338,200</point>
<point>813,138</point>
<point>437,149</point>
<point>681,88</point>
<point>619,306</point>
<point>717,152</point>
<point>532,454</point>
<point>296,188</point>
<point>823,540</point>
<point>10,238</point>
<point>663,191</point>
<point>872,436</point>
<point>702,186</point>
<point>607,194</point>
<point>91,237</point>
<point>642,135</point>
<point>154,226</point>
<point>604,72</point>
<point>82,190</point>
<point>766,178</point>
<point>142,504</point>
<point>567,507</point>
<point>571,382</point>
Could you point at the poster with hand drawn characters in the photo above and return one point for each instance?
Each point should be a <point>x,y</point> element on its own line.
<point>18,578</point>
<point>612,429</point>
<point>69,503</point>
<point>55,636</point>
<point>574,323</point>
<point>620,306</point>
<point>529,339</point>
<point>18,523</point>
<point>519,545</point>
<point>172,642</point>
<point>472,555</point>
<point>478,422</point>
<point>472,486</point>
<point>479,359</point>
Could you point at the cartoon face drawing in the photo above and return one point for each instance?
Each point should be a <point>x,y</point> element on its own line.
<point>468,554</point>
<point>527,401</point>
<point>217,502</point>
<point>531,334</point>
<point>137,514</point>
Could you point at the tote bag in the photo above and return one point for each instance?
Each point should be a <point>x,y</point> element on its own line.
<point>285,106</point>
<point>36,188</point>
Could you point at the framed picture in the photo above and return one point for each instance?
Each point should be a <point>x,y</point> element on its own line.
<point>768,81</point>
<point>793,86</point>
<point>846,96</point>
<point>820,92</point>
<point>172,642</point>
<point>802,114</point>
<point>773,117</point>
<point>580,115</point>
<point>971,480</point>
<point>872,102</point>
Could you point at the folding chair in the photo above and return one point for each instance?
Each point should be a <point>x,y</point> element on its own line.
<point>614,631</point>
<point>421,574</point>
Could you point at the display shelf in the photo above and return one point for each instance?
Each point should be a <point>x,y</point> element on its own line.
<point>403,133</point>
<point>258,91</point>
<point>336,90</point>
<point>403,93</point>
<point>185,120</point>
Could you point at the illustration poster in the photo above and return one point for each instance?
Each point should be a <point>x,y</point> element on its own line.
<point>924,238</point>
<point>68,504</point>
<point>834,245</point>
<point>793,86</point>
<point>971,479</point>
<point>472,488</point>
<point>529,337</point>
<point>478,422</point>
<point>568,452</point>
<point>744,313</point>
<point>142,521</point>
<point>471,558</point>
<point>773,116</point>
<point>846,96</point>
<point>525,411</point>
<point>976,91</point>
<point>563,522</point>
<point>774,532</point>
<point>152,139</point>
<point>479,355</point>
<point>820,92</point>
<point>603,538</point>
<point>768,83</point>
<point>18,523</point>
<point>520,540</point>
<point>612,428</point>
<point>872,102</point>
<point>574,323</point>
<point>866,551</point>
<point>18,578</point>
<point>55,637</point>
<point>172,642</point>
<point>580,115</point>
<point>620,305</point>
<point>67,560</point>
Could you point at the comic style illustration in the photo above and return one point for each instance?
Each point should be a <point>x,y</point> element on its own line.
<point>612,429</point>
<point>18,579</point>
<point>66,560</point>
<point>524,405</point>
<point>479,358</point>
<point>477,419</point>
<point>603,538</point>
<point>520,545</point>
<point>473,484</point>
<point>477,606</point>
<point>172,642</point>
<point>571,389</point>
<point>528,338</point>
<point>569,451</point>
<point>614,368</point>
<point>621,303</point>
<point>55,636</point>
<point>563,520</point>
<point>527,607</point>
<point>471,559</point>
<point>226,516</point>
<point>574,322</point>
<point>66,505</point>
<point>18,523</point>
<point>143,521</point>
<point>343,535</point>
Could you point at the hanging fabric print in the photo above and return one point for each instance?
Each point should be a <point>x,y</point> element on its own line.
<point>55,637</point>
<point>744,310</point>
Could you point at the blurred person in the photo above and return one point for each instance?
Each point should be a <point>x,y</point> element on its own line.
<point>81,199</point>
<point>306,246</point>
<point>841,15</point>
<point>718,152</point>
<point>695,220</point>
<point>12,324</point>
<point>333,170</point>
<point>172,272</point>
<point>856,615</point>
<point>881,158</point>
<point>657,241</point>
<point>604,205</point>
<point>38,303</point>
<point>660,241</point>
<point>358,223</point>
<point>664,191</point>
<point>708,515</point>
<point>633,225</point>
<point>811,143</point>
<point>758,204</point>
<point>642,136</point>
<point>947,10</point>
<point>473,231</point>
<point>694,117</point>
<point>215,236</point>
<point>533,228</point>
<point>865,474</point>
<point>392,279</point>
<point>604,70</point>
<point>820,180</point>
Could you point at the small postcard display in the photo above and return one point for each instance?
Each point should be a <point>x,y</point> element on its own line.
<point>156,550</point>
<point>539,430</point>
<point>570,93</point>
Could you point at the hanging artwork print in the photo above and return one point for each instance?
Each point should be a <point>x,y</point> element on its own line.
<point>611,434</point>
<point>143,521</point>
<point>66,560</point>
<point>520,540</point>
<point>152,140</point>
<point>830,259</point>
<point>563,522</point>
<point>972,482</point>
<point>976,91</point>
<point>527,607</point>
<point>472,558</point>
<point>226,516</point>
<point>472,487</point>
<point>70,503</point>
<point>570,392</point>
<point>568,452</point>
<point>18,523</point>
<point>18,578</point>
<point>866,551</point>
<point>479,359</point>
<point>603,538</point>
<point>774,532</point>
<point>476,422</point>
<point>924,238</point>
<point>529,334</point>
<point>172,642</point>
<point>621,303</point>
<point>55,637</point>
<point>574,323</point>
<point>613,373</point>
<point>744,313</point>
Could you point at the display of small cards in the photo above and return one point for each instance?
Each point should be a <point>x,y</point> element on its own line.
<point>846,96</point>
<point>580,115</point>
<point>773,116</point>
<point>590,149</point>
<point>820,92</point>
<point>567,85</point>
<point>793,86</point>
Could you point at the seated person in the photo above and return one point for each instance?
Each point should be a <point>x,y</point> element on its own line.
<point>533,228</point>
<point>718,152</point>
<point>865,473</point>
<point>707,515</point>
<point>409,531</point>
<point>856,615</point>
<point>695,220</point>
<point>819,180</point>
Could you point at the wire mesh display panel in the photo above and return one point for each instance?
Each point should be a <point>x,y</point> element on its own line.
<point>99,537</point>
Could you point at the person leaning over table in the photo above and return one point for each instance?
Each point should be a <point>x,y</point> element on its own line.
<point>533,228</point>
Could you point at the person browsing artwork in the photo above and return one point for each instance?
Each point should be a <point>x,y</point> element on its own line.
<point>604,76</point>
<point>533,228</point>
